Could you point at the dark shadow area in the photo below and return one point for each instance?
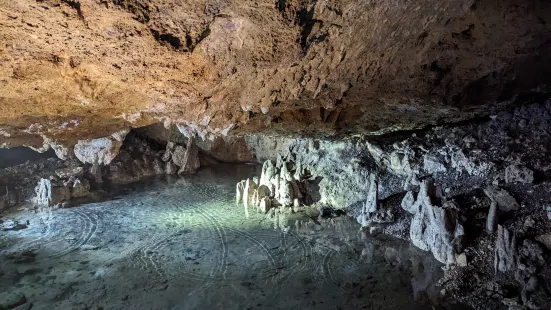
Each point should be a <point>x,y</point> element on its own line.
<point>19,155</point>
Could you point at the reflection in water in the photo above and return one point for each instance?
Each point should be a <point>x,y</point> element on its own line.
<point>183,243</point>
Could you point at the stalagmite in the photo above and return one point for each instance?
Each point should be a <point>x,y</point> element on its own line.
<point>505,250</point>
<point>491,221</point>
<point>43,192</point>
<point>248,193</point>
<point>265,205</point>
<point>435,229</point>
<point>268,172</point>
<point>239,190</point>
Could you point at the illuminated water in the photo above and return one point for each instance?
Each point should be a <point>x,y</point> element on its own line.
<point>182,243</point>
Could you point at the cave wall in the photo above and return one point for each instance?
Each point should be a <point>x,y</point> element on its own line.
<point>77,70</point>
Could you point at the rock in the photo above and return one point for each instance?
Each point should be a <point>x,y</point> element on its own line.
<point>431,164</point>
<point>43,192</point>
<point>461,260</point>
<point>95,171</point>
<point>544,239</point>
<point>370,206</point>
<point>69,172</point>
<point>239,190</point>
<point>187,159</point>
<point>285,193</point>
<point>435,229</point>
<point>170,168</point>
<point>408,203</point>
<point>268,173</point>
<point>81,188</point>
<point>491,220</point>
<point>101,151</point>
<point>505,250</point>
<point>248,193</point>
<point>505,201</point>
<point>265,205</point>
<point>168,151</point>
<point>518,174</point>
<point>10,300</point>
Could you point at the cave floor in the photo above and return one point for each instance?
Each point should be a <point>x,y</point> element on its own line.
<point>183,243</point>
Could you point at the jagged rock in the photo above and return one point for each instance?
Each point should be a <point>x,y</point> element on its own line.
<point>285,197</point>
<point>284,173</point>
<point>268,173</point>
<point>81,188</point>
<point>170,168</point>
<point>250,188</point>
<point>505,250</point>
<point>101,151</point>
<point>518,174</point>
<point>370,206</point>
<point>505,201</point>
<point>299,172</point>
<point>431,164</point>
<point>62,151</point>
<point>491,220</point>
<point>179,155</point>
<point>265,205</point>
<point>43,192</point>
<point>435,229</point>
<point>408,203</point>
<point>10,300</point>
<point>95,171</point>
<point>191,158</point>
<point>158,166</point>
<point>168,151</point>
<point>69,172</point>
<point>461,260</point>
<point>239,191</point>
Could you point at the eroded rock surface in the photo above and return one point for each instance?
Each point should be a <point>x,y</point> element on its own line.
<point>81,70</point>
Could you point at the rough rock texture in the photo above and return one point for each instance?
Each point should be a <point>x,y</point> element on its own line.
<point>79,70</point>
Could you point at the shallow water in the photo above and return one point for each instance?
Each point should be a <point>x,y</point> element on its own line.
<point>183,243</point>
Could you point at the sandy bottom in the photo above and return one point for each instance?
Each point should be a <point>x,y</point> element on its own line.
<point>183,243</point>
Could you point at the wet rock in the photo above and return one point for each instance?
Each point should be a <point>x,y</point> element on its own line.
<point>10,300</point>
<point>268,173</point>
<point>518,174</point>
<point>505,201</point>
<point>265,205</point>
<point>505,250</point>
<point>239,191</point>
<point>250,188</point>
<point>96,174</point>
<point>285,197</point>
<point>370,206</point>
<point>168,151</point>
<point>179,156</point>
<point>491,220</point>
<point>408,203</point>
<point>170,168</point>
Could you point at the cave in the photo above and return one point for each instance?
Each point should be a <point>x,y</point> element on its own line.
<point>341,154</point>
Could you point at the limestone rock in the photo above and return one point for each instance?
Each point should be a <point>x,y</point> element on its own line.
<point>435,229</point>
<point>265,205</point>
<point>81,188</point>
<point>431,164</point>
<point>250,188</point>
<point>101,151</point>
<point>505,201</point>
<point>239,191</point>
<point>408,203</point>
<point>188,159</point>
<point>268,173</point>
<point>505,250</point>
<point>69,172</point>
<point>518,174</point>
<point>285,197</point>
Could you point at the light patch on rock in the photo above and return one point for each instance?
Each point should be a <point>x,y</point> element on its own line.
<point>101,151</point>
<point>431,164</point>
